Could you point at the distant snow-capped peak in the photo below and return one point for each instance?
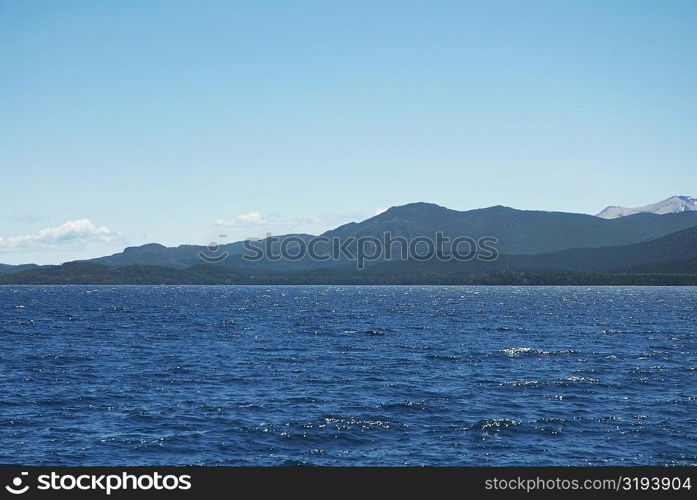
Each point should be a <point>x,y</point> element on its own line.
<point>672,205</point>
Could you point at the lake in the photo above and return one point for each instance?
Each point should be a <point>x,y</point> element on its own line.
<point>344,375</point>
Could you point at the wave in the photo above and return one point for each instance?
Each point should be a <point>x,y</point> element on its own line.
<point>518,351</point>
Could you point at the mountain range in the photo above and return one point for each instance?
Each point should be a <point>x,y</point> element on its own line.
<point>672,205</point>
<point>528,241</point>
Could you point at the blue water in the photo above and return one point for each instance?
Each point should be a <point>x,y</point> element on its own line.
<point>339,375</point>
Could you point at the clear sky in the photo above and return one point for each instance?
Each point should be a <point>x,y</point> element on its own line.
<point>128,122</point>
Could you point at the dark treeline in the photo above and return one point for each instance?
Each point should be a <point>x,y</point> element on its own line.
<point>97,274</point>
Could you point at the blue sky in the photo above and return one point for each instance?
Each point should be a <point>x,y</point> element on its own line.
<point>128,122</point>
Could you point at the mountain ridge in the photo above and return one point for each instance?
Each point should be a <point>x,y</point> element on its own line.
<point>521,233</point>
<point>641,263</point>
<point>674,204</point>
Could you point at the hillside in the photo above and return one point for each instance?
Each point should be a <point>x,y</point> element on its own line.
<point>519,232</point>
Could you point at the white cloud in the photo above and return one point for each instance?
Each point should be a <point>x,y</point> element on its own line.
<point>252,219</point>
<point>379,211</point>
<point>74,231</point>
<point>274,221</point>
